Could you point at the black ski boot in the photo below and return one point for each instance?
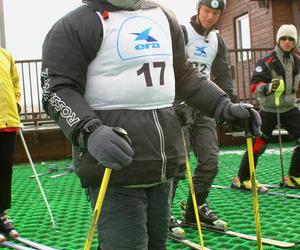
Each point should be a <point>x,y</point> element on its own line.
<point>175,228</point>
<point>6,226</point>
<point>206,215</point>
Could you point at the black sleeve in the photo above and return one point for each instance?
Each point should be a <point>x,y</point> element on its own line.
<point>191,86</point>
<point>185,34</point>
<point>261,73</point>
<point>69,47</point>
<point>221,68</point>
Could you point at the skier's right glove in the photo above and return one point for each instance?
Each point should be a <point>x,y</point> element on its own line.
<point>237,113</point>
<point>109,148</point>
<point>271,87</point>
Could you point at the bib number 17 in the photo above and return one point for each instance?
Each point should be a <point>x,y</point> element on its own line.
<point>145,69</point>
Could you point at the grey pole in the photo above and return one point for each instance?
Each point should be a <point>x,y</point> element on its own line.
<point>2,26</point>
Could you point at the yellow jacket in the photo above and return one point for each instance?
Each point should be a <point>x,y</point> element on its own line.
<point>10,92</point>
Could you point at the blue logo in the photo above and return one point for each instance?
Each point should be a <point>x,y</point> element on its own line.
<point>200,51</point>
<point>144,35</point>
<point>151,42</point>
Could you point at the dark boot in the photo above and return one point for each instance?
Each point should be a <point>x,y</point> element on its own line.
<point>206,215</point>
<point>295,163</point>
<point>6,225</point>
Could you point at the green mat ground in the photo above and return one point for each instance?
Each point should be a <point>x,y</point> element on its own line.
<point>279,218</point>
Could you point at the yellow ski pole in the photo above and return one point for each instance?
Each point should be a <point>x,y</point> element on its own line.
<point>248,135</point>
<point>277,95</point>
<point>97,208</point>
<point>96,213</point>
<point>188,167</point>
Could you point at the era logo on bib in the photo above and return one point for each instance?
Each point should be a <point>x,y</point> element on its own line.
<point>200,51</point>
<point>147,38</point>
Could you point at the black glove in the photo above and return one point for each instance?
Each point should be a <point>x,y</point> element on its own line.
<point>109,148</point>
<point>271,87</point>
<point>227,111</point>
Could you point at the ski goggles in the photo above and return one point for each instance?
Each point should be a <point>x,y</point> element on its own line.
<point>284,38</point>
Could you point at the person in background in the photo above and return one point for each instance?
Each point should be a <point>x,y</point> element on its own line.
<point>10,109</point>
<point>110,71</point>
<point>208,53</point>
<point>281,64</point>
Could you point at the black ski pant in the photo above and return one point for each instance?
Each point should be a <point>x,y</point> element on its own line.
<point>134,218</point>
<point>290,120</point>
<point>7,146</point>
<point>204,143</point>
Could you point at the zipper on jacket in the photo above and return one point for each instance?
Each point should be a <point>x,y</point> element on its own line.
<point>162,146</point>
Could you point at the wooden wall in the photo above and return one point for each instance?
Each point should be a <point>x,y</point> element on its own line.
<point>282,13</point>
<point>260,23</point>
<point>43,146</point>
<point>264,22</point>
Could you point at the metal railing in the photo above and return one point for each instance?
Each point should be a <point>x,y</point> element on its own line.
<point>242,63</point>
<point>31,93</point>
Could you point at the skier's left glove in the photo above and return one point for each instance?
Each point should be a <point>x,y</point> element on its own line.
<point>237,113</point>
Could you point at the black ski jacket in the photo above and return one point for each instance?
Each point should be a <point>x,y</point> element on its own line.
<point>69,47</point>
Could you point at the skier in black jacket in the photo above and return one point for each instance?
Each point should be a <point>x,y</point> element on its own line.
<point>119,63</point>
<point>208,53</point>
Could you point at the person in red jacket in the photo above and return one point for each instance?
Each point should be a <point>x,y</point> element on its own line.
<point>10,108</point>
<point>281,64</point>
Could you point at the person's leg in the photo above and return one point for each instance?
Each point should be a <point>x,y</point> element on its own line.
<point>159,208</point>
<point>291,122</point>
<point>205,145</point>
<point>7,147</point>
<point>269,122</point>
<point>123,220</point>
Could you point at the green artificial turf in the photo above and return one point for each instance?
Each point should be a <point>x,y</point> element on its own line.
<point>279,218</point>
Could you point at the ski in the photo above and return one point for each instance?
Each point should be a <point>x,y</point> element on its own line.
<point>33,244</point>
<point>12,245</point>
<point>292,196</point>
<point>186,242</point>
<point>276,243</point>
<point>14,235</point>
<point>279,186</point>
<point>67,170</point>
<point>51,170</point>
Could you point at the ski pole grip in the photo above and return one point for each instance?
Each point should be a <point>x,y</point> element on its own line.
<point>247,128</point>
<point>278,92</point>
<point>122,133</point>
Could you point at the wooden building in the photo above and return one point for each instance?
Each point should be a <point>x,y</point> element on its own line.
<point>258,19</point>
<point>249,29</point>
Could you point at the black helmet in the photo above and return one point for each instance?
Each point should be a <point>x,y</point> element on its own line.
<point>214,4</point>
<point>124,4</point>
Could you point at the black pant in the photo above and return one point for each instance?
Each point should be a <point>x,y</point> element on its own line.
<point>7,147</point>
<point>290,120</point>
